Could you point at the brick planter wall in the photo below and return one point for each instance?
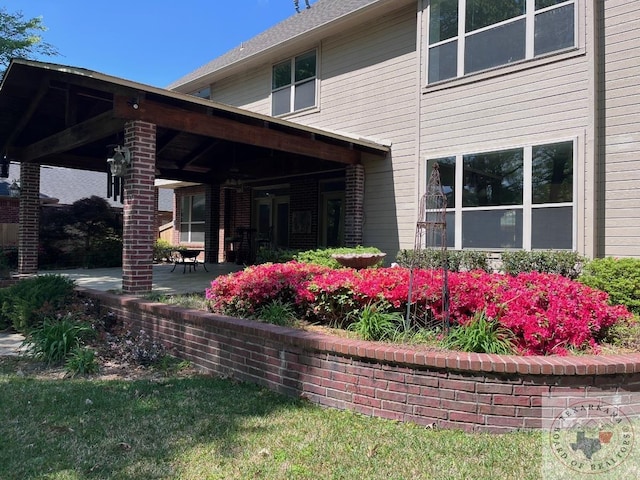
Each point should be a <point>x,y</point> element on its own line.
<point>472,392</point>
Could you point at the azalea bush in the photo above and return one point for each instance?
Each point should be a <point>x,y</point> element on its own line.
<point>547,313</point>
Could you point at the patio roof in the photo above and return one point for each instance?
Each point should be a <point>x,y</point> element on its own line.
<point>66,116</point>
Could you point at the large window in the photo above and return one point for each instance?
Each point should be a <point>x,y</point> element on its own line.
<point>467,36</point>
<point>192,219</point>
<point>516,198</point>
<point>293,84</point>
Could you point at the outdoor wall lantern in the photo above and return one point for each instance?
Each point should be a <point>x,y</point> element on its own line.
<point>4,166</point>
<point>14,190</point>
<point>120,161</point>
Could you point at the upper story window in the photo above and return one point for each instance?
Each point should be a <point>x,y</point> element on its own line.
<point>293,84</point>
<point>467,36</point>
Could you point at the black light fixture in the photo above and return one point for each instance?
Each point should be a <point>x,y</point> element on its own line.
<point>14,190</point>
<point>4,167</point>
<point>120,161</point>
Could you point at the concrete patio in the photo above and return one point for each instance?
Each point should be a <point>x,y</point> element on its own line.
<point>164,280</point>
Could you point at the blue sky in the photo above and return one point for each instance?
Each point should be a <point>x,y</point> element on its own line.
<point>152,42</point>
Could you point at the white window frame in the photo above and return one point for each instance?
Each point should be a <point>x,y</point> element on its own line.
<point>527,194</point>
<point>186,222</point>
<point>529,16</point>
<point>292,85</point>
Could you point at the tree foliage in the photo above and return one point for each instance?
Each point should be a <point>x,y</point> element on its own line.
<point>20,37</point>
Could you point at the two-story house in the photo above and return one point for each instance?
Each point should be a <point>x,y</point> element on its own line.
<point>530,108</point>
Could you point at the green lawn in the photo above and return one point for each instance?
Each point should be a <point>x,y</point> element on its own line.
<point>204,428</point>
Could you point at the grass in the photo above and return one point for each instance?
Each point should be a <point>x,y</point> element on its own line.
<point>207,428</point>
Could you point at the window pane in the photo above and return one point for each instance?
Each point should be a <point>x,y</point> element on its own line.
<point>281,75</point>
<point>197,232</point>
<point>493,179</point>
<point>551,228</point>
<point>184,233</point>
<point>198,209</point>
<point>554,30</point>
<point>547,3</point>
<point>185,208</point>
<point>552,173</point>
<point>306,66</point>
<point>443,20</point>
<point>281,101</point>
<point>482,13</point>
<point>305,95</point>
<point>447,168</point>
<point>492,229</point>
<point>497,46</point>
<point>443,62</point>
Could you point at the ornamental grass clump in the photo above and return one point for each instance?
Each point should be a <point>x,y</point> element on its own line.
<point>375,322</point>
<point>481,335</point>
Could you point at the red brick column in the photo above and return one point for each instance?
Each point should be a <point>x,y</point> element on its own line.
<point>139,208</point>
<point>354,208</point>
<point>212,229</point>
<point>28,233</point>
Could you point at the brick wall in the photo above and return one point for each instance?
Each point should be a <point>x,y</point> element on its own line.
<point>28,229</point>
<point>354,205</point>
<point>303,201</point>
<point>9,210</point>
<point>139,209</point>
<point>472,392</point>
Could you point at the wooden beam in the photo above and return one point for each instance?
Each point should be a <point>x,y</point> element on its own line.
<point>96,128</point>
<point>26,116</point>
<point>226,129</point>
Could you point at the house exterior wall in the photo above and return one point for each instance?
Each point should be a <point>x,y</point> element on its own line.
<point>377,61</point>
<point>535,102</point>
<point>620,103</point>
<point>373,83</point>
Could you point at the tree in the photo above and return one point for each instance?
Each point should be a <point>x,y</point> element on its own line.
<point>20,37</point>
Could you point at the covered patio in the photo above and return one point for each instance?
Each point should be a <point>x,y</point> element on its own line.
<point>55,115</point>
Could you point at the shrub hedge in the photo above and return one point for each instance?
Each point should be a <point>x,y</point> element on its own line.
<point>619,277</point>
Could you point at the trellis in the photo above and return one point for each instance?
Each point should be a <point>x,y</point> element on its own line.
<point>429,252</point>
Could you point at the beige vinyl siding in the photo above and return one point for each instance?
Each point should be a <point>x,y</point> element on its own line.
<point>540,101</point>
<point>250,90</point>
<point>369,88</point>
<point>621,101</point>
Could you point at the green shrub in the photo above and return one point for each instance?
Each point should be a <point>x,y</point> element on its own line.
<point>81,361</point>
<point>457,260</point>
<point>322,256</point>
<point>620,278</point>
<point>104,253</point>
<point>480,335</point>
<point>375,322</point>
<point>277,312</point>
<point>567,264</point>
<point>55,338</point>
<point>275,255</point>
<point>22,302</point>
<point>162,250</point>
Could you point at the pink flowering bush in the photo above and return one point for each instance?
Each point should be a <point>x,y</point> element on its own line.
<point>547,313</point>
<point>243,293</point>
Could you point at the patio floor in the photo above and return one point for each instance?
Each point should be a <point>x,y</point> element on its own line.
<point>164,281</point>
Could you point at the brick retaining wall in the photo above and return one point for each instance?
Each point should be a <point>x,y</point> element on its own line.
<point>472,392</point>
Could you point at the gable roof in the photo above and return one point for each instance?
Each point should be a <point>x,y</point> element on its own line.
<point>321,13</point>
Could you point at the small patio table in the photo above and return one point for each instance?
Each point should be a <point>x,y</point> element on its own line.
<point>188,257</point>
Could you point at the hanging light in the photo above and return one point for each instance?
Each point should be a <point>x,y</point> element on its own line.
<point>120,161</point>
<point>14,190</point>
